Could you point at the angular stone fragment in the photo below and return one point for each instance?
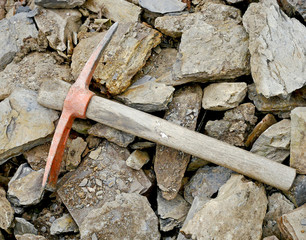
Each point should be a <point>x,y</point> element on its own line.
<point>196,163</point>
<point>58,25</point>
<point>75,150</point>
<point>243,206</point>
<point>142,145</point>
<point>122,139</point>
<point>98,179</point>
<point>30,237</point>
<point>81,126</point>
<point>137,159</point>
<point>276,70</point>
<point>22,226</point>
<point>223,96</point>
<point>274,143</point>
<point>297,193</point>
<point>2,15</point>
<point>6,211</point>
<point>170,164</point>
<point>23,123</point>
<point>160,6</point>
<point>270,238</point>
<point>128,216</point>
<point>298,140</point>
<point>123,58</point>
<point>63,224</point>
<point>116,10</point>
<point>59,3</point>
<point>292,7</point>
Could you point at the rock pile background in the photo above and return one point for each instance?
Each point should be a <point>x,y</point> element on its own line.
<point>234,70</point>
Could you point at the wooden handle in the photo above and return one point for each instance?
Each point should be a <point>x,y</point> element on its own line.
<point>155,129</point>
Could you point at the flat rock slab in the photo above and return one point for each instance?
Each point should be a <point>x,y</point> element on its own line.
<point>170,164</point>
<point>137,159</point>
<point>277,63</point>
<point>6,211</point>
<point>64,224</point>
<point>125,55</point>
<point>243,206</point>
<point>128,216</point>
<point>23,123</point>
<point>22,226</point>
<point>29,236</point>
<point>160,6</point>
<point>74,153</point>
<point>298,140</point>
<point>59,3</point>
<point>98,180</point>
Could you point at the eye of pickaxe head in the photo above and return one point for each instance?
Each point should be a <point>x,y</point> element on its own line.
<point>75,106</point>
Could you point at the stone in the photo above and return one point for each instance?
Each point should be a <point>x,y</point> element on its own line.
<point>235,125</point>
<point>270,238</point>
<point>30,237</point>
<point>2,11</point>
<point>93,142</point>
<point>171,213</point>
<point>137,159</point>
<point>64,224</point>
<point>276,71</point>
<point>128,216</point>
<point>13,31</point>
<point>23,123</point>
<point>122,139</point>
<point>223,96</point>
<point>196,163</point>
<point>243,206</point>
<point>75,149</point>
<point>292,7</point>
<point>274,143</point>
<point>290,224</point>
<point>1,236</point>
<point>113,10</point>
<point>170,164</point>
<point>142,145</point>
<point>59,3</point>
<point>160,6</point>
<point>107,164</point>
<point>58,25</point>
<point>22,226</point>
<point>150,96</point>
<point>6,211</point>
<point>297,193</point>
<point>206,182</point>
<point>298,140</point>
<point>278,205</point>
<point>81,126</point>
<point>126,54</point>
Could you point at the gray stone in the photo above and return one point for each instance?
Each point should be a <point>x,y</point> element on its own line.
<point>23,123</point>
<point>196,163</point>
<point>270,238</point>
<point>6,211</point>
<point>292,7</point>
<point>142,145</point>
<point>137,159</point>
<point>276,70</point>
<point>81,126</point>
<point>223,96</point>
<point>30,237</point>
<point>59,3</point>
<point>243,206</point>
<point>111,134</point>
<point>160,6</point>
<point>75,149</point>
<point>274,143</point>
<point>22,226</point>
<point>297,193</point>
<point>64,224</point>
<point>298,140</point>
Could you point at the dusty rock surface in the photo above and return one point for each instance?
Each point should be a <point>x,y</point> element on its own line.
<point>29,236</point>
<point>75,150</point>
<point>297,193</point>
<point>137,159</point>
<point>6,211</point>
<point>22,226</point>
<point>59,3</point>
<point>160,6</point>
<point>293,7</point>
<point>63,224</point>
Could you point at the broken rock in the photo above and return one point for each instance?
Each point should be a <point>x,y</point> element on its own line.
<point>59,3</point>
<point>6,211</point>
<point>22,226</point>
<point>75,150</point>
<point>297,193</point>
<point>63,224</point>
<point>137,159</point>
<point>30,237</point>
<point>292,7</point>
<point>160,6</point>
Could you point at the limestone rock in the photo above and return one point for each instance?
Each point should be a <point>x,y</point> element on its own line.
<point>122,139</point>
<point>98,180</point>
<point>2,15</point>
<point>170,164</point>
<point>123,58</point>
<point>12,33</point>
<point>23,123</point>
<point>243,206</point>
<point>196,163</point>
<point>129,216</point>
<point>274,143</point>
<point>75,150</point>
<point>116,10</point>
<point>160,6</point>
<point>81,126</point>
<point>223,96</point>
<point>294,6</point>
<point>297,193</point>
<point>58,25</point>
<point>6,211</point>
<point>270,238</point>
<point>29,236</point>
<point>137,159</point>
<point>276,70</point>
<point>298,140</point>
<point>59,3</point>
<point>22,226</point>
<point>142,145</point>
<point>63,224</point>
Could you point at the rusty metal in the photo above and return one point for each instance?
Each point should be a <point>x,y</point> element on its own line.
<point>75,106</point>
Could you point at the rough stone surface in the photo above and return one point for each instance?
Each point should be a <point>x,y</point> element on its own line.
<point>122,139</point>
<point>59,3</point>
<point>22,226</point>
<point>274,143</point>
<point>223,96</point>
<point>297,193</point>
<point>278,205</point>
<point>23,123</point>
<point>30,237</point>
<point>170,164</point>
<point>123,58</point>
<point>6,211</point>
<point>196,163</point>
<point>270,238</point>
<point>116,10</point>
<point>235,125</point>
<point>129,216</point>
<point>2,15</point>
<point>142,145</point>
<point>276,70</point>
<point>74,153</point>
<point>160,6</point>
<point>243,206</point>
<point>137,159</point>
<point>63,224</point>
<point>298,140</point>
<point>98,179</point>
<point>292,7</point>
<point>58,25</point>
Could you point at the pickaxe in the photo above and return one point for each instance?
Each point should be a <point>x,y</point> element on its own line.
<point>78,101</point>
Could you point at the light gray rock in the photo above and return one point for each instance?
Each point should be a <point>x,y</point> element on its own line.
<point>297,193</point>
<point>223,96</point>
<point>29,236</point>
<point>22,226</point>
<point>59,3</point>
<point>196,163</point>
<point>270,238</point>
<point>75,149</point>
<point>274,143</point>
<point>129,216</point>
<point>63,224</point>
<point>292,7</point>
<point>137,159</point>
<point>243,206</point>
<point>160,6</point>
<point>298,140</point>
<point>276,70</point>
<point>23,123</point>
<point>6,211</point>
